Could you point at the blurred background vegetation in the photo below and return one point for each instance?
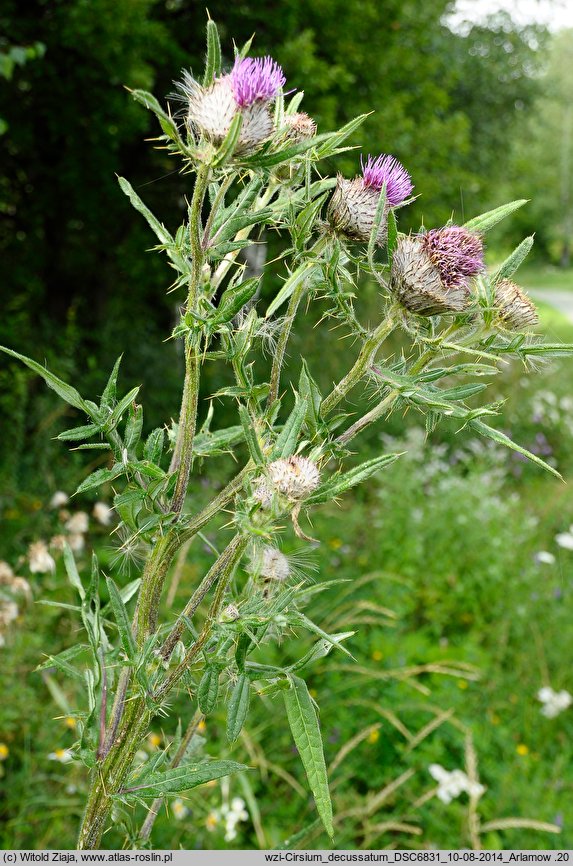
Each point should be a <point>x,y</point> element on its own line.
<point>479,114</point>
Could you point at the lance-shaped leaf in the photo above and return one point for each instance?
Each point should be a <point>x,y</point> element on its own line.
<point>72,571</point>
<point>346,480</point>
<point>238,707</point>
<point>295,279</point>
<point>251,437</point>
<point>547,350</point>
<point>160,231</point>
<point>121,619</point>
<point>179,779</point>
<point>321,649</point>
<point>335,139</point>
<point>502,439</point>
<point>65,391</point>
<point>149,101</point>
<point>101,476</point>
<point>230,141</point>
<point>513,261</point>
<point>288,437</point>
<point>213,61</point>
<point>110,390</point>
<point>305,729</point>
<point>76,434</point>
<point>491,218</point>
<point>208,690</point>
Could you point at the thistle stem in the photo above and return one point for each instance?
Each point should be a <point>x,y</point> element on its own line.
<point>147,825</point>
<point>287,324</point>
<point>361,366</point>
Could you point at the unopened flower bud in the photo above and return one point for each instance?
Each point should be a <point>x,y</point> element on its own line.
<point>516,310</point>
<point>353,206</point>
<point>229,614</point>
<point>295,477</point>
<point>300,126</point>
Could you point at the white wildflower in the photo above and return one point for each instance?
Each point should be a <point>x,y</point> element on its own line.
<point>39,559</point>
<point>565,540</point>
<point>179,809</point>
<point>453,783</point>
<point>63,756</point>
<point>6,573</point>
<point>543,556</point>
<point>76,541</point>
<point>553,702</point>
<point>58,499</point>
<point>103,513</point>
<point>78,523</point>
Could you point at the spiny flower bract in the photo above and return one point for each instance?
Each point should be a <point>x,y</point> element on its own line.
<point>417,284</point>
<point>387,170</point>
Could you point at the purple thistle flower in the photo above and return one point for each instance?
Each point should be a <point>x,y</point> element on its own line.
<point>387,170</point>
<point>456,252</point>
<point>253,80</point>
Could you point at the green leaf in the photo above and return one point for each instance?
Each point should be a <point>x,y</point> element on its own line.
<point>346,480</point>
<point>154,445</point>
<point>151,103</point>
<point>110,390</point>
<point>392,238</point>
<point>121,619</point>
<point>321,649</point>
<point>548,350</point>
<point>65,391</point>
<point>77,433</point>
<point>62,660</point>
<point>72,571</point>
<point>238,707</point>
<point>512,262</point>
<point>234,299</point>
<point>309,390</point>
<point>208,690</point>
<point>502,439</point>
<point>305,729</point>
<point>133,427</point>
<point>335,139</point>
<point>159,229</point>
<point>295,279</point>
<point>99,477</point>
<point>118,410</point>
<point>301,619</point>
<point>251,437</point>
<point>179,779</point>
<point>288,437</point>
<point>486,221</point>
<point>213,62</point>
<point>227,147</point>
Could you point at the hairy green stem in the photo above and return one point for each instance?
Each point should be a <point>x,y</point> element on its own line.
<point>183,451</point>
<point>361,366</point>
<point>219,568</point>
<point>147,825</point>
<point>231,556</point>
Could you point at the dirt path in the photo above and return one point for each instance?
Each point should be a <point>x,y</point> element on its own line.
<point>561,299</point>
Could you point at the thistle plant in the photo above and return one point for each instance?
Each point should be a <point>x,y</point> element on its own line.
<point>251,159</point>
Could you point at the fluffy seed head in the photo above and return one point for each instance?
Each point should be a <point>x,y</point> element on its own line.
<point>352,210</point>
<point>255,80</point>
<point>417,284</point>
<point>516,310</point>
<point>272,564</point>
<point>295,477</point>
<point>387,170</point>
<point>301,126</point>
<point>456,252</point>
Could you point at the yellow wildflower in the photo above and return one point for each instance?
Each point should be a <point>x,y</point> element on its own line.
<point>522,750</point>
<point>70,722</point>
<point>154,741</point>
<point>4,751</point>
<point>462,684</point>
<point>377,656</point>
<point>373,736</point>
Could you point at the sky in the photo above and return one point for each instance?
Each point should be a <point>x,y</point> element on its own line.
<point>556,14</point>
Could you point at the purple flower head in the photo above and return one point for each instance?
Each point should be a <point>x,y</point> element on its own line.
<point>387,170</point>
<point>253,80</point>
<point>456,252</point>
